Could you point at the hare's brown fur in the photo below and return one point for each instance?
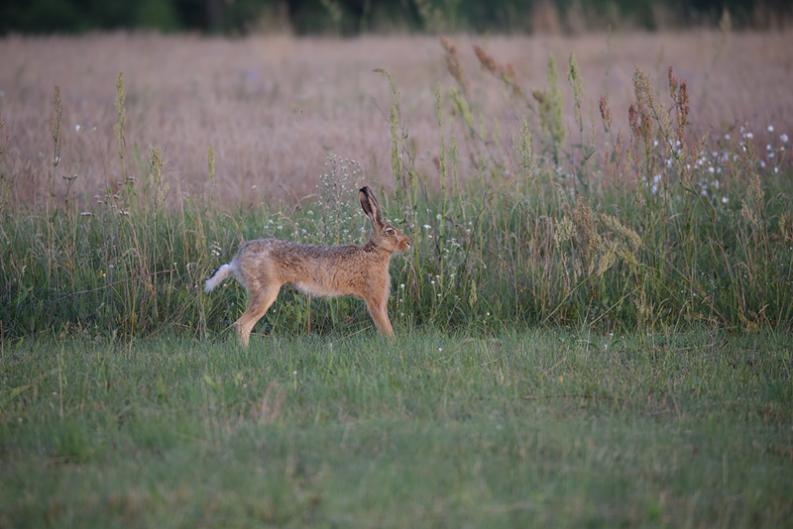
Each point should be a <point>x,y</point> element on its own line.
<point>262,266</point>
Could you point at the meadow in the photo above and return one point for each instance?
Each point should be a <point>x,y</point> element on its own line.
<point>551,428</point>
<point>593,324</point>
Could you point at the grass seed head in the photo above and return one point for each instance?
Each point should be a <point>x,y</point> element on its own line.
<point>605,113</point>
<point>453,65</point>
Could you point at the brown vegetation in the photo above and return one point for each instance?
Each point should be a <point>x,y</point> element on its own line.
<point>260,113</point>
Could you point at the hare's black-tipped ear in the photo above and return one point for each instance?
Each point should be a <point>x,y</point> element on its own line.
<point>369,205</point>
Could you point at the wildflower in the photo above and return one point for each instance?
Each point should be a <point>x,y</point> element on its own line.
<point>783,138</point>
<point>727,137</point>
<point>748,135</point>
<point>86,214</point>
<point>725,200</point>
<point>402,286</point>
<point>770,128</point>
<point>426,226</point>
<point>77,127</point>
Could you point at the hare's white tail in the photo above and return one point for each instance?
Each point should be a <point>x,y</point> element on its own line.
<point>218,277</point>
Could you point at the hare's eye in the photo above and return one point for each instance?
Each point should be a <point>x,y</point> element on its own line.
<point>389,231</point>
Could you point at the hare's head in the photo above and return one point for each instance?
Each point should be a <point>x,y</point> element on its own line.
<point>384,235</point>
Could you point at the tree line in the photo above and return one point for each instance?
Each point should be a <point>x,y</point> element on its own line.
<point>351,17</point>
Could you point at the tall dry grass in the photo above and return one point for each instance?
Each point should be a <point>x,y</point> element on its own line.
<point>270,108</point>
<point>529,204</point>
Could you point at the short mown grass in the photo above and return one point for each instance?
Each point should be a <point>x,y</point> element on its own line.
<point>540,428</point>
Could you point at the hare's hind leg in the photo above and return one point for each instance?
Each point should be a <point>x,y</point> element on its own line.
<point>378,310</point>
<point>258,304</point>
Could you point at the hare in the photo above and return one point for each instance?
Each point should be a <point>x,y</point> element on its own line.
<point>262,266</point>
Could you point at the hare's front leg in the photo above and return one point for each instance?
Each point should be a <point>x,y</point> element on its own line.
<point>378,310</point>
<point>258,304</point>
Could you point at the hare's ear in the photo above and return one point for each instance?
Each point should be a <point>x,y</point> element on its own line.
<point>370,205</point>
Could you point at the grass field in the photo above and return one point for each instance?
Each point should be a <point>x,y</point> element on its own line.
<point>538,428</point>
<point>593,324</point>
<point>270,108</point>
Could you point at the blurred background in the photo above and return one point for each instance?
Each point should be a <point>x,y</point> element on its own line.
<point>353,17</point>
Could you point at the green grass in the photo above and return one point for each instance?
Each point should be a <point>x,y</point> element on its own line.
<point>540,428</point>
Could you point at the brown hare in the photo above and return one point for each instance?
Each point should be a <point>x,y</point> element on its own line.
<point>262,266</point>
